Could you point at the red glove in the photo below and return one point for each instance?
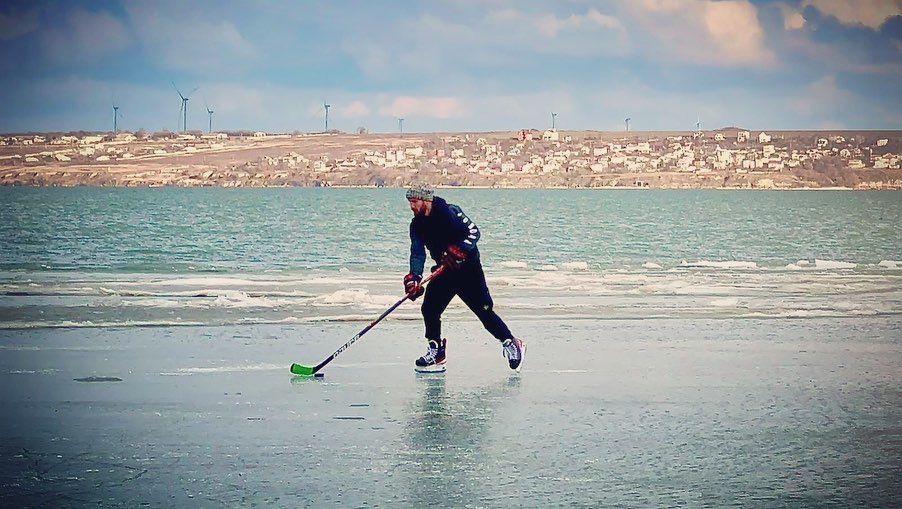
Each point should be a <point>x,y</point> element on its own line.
<point>412,286</point>
<point>453,258</point>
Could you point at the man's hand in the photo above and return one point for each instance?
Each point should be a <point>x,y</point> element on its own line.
<point>412,286</point>
<point>453,258</point>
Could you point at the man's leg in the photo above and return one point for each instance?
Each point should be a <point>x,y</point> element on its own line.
<point>439,293</point>
<point>474,291</point>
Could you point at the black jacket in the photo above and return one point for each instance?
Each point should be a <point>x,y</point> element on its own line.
<point>445,225</point>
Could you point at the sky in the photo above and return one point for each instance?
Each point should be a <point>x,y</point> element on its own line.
<point>451,65</point>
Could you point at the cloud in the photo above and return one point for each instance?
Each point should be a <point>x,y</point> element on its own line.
<point>733,27</point>
<point>85,36</point>
<point>551,25</point>
<point>188,42</point>
<point>13,25</point>
<point>431,107</point>
<point>724,33</point>
<point>869,13</point>
<point>822,96</point>
<point>792,19</point>
<point>353,109</point>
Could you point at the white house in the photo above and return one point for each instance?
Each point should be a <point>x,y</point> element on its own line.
<point>90,140</point>
<point>763,137</point>
<point>125,137</point>
<point>551,135</point>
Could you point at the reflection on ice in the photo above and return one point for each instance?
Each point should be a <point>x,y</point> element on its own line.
<point>449,439</point>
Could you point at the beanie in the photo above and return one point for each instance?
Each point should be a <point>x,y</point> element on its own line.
<point>420,192</point>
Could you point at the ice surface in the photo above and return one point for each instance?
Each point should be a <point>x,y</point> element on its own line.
<point>638,412</point>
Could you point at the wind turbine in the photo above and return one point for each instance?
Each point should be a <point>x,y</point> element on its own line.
<point>326,107</point>
<point>627,120</point>
<point>553,116</point>
<point>698,124</point>
<point>401,125</point>
<point>210,114</point>
<point>183,111</point>
<point>116,116</point>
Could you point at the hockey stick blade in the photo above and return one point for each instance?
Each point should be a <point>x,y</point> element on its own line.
<point>297,369</point>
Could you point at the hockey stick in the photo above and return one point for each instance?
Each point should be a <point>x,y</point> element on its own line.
<point>298,369</point>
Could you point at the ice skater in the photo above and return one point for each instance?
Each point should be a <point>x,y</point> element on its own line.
<point>450,236</point>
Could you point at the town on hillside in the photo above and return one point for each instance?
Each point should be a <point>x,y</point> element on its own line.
<point>529,158</point>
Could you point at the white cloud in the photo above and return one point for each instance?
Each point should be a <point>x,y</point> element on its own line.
<point>431,107</point>
<point>722,33</point>
<point>353,109</point>
<point>733,27</point>
<point>551,25</point>
<point>870,13</point>
<point>792,19</point>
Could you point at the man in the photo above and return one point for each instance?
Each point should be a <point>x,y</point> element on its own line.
<point>450,236</point>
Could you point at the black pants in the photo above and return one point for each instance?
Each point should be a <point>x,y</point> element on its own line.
<point>468,283</point>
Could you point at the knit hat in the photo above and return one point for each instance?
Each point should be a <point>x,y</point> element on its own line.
<point>420,192</point>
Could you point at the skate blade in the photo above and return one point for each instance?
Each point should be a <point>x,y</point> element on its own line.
<point>438,368</point>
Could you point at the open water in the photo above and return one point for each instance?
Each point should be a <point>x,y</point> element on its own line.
<point>102,257</point>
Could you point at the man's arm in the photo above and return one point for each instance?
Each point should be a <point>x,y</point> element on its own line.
<point>466,229</point>
<point>417,253</point>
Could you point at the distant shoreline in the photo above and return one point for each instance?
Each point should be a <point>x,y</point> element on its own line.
<point>506,188</point>
<point>527,159</point>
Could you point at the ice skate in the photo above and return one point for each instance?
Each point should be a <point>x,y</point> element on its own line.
<point>433,361</point>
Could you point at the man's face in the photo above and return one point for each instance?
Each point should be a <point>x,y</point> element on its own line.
<point>417,206</point>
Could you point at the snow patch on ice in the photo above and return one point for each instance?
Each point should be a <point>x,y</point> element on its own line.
<point>202,281</point>
<point>650,265</point>
<point>831,264</point>
<point>548,268</point>
<point>575,265</point>
<point>513,264</point>
<point>65,324</point>
<point>707,264</point>
<point>355,296</point>
<point>235,299</point>
<point>890,264</point>
<point>226,369</point>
